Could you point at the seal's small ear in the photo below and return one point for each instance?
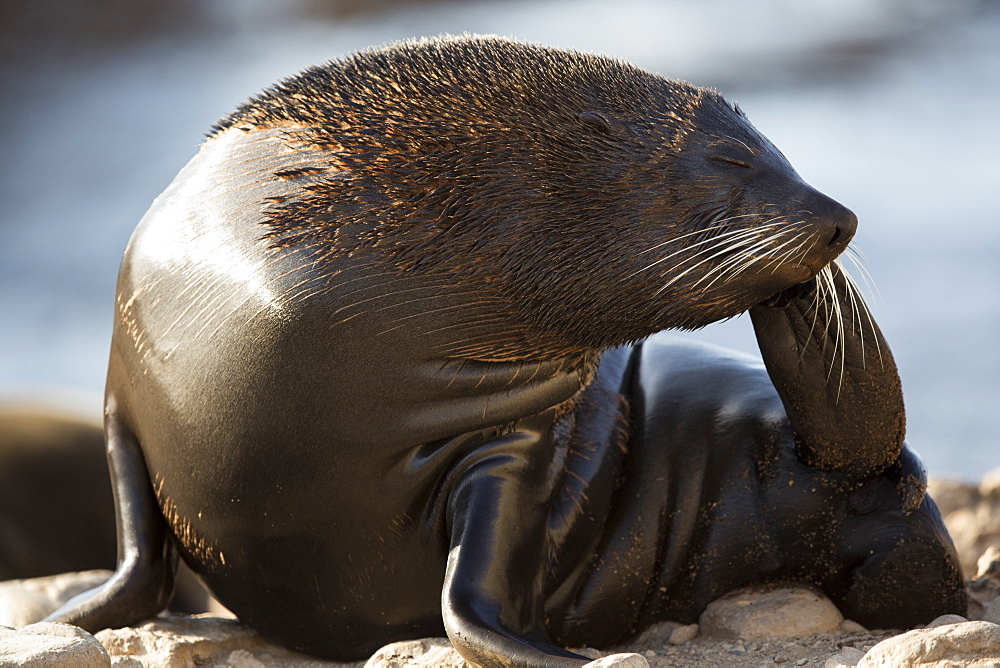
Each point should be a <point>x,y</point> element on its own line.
<point>604,122</point>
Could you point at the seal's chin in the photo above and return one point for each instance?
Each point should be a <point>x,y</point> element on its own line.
<point>788,295</point>
<point>798,279</point>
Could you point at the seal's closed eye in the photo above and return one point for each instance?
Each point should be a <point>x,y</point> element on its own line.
<point>604,122</point>
<point>726,161</point>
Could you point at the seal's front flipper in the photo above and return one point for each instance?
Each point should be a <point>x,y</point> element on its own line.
<point>144,579</point>
<point>835,375</point>
<point>493,596</point>
<point>839,385</point>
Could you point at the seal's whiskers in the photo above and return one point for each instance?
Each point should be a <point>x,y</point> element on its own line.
<point>716,240</point>
<point>835,317</point>
<point>719,224</point>
<point>859,299</point>
<point>741,258</point>
<point>830,314</point>
<point>728,243</point>
<point>734,266</point>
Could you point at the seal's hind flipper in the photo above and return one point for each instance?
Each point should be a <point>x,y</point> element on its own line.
<point>144,579</point>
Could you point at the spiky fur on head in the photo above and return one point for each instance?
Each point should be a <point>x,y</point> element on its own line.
<point>541,173</point>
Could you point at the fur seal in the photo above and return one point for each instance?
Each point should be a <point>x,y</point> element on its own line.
<point>380,368</point>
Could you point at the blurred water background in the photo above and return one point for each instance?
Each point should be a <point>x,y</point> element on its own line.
<point>891,107</point>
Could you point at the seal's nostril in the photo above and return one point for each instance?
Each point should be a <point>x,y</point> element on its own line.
<point>837,234</point>
<point>833,221</point>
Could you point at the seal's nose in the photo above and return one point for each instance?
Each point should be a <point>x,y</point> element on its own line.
<point>835,223</point>
<point>845,224</point>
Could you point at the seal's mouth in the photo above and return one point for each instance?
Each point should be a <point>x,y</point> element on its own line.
<point>782,299</point>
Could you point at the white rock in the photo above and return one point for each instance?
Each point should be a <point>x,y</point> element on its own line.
<point>655,637</point>
<point>129,662</point>
<point>944,620</point>
<point>988,564</point>
<point>24,602</point>
<point>966,644</point>
<point>851,626</point>
<point>436,652</point>
<point>789,612</point>
<point>972,515</point>
<point>847,657</point>
<point>439,653</point>
<point>683,634</point>
<point>992,611</point>
<point>973,529</point>
<point>243,659</point>
<point>48,644</point>
<point>626,660</point>
<point>588,652</point>
<point>984,590</point>
<point>197,641</point>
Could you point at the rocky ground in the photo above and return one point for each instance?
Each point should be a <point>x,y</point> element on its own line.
<point>786,627</point>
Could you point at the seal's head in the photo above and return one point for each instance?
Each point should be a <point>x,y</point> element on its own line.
<point>596,203</point>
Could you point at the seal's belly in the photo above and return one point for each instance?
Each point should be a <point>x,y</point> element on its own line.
<point>318,480</point>
<point>303,461</point>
